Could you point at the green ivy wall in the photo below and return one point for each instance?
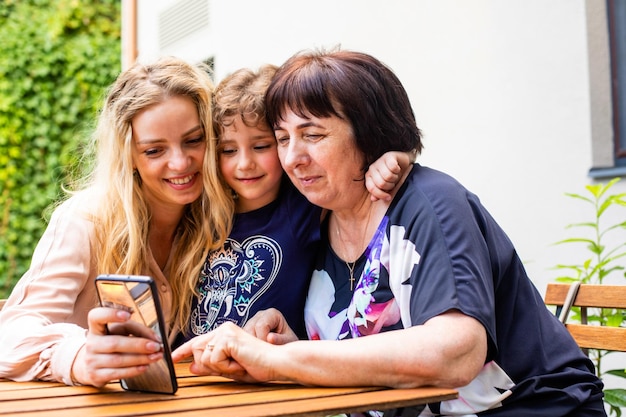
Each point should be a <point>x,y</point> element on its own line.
<point>56,59</point>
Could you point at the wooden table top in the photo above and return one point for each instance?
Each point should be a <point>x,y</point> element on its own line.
<point>206,396</point>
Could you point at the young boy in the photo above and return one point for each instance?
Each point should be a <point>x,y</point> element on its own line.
<point>267,261</point>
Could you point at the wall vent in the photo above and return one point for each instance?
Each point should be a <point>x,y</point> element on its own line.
<point>181,20</point>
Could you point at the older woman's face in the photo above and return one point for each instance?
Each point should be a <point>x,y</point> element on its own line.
<point>320,157</point>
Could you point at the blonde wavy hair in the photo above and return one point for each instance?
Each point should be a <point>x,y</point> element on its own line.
<point>118,206</point>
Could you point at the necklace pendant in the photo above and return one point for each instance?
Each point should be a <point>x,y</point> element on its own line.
<point>351,271</point>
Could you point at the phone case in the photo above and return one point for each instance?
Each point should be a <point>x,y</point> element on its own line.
<point>138,295</point>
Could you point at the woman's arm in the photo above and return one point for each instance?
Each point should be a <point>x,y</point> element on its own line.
<point>43,324</point>
<point>448,351</point>
<point>44,327</point>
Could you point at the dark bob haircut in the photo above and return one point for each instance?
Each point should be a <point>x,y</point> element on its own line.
<point>350,85</point>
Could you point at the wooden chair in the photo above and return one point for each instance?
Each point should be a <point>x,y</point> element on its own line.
<point>589,296</point>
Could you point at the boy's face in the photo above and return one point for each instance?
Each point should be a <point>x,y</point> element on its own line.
<point>249,163</point>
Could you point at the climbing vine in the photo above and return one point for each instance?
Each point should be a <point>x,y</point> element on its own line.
<point>56,59</point>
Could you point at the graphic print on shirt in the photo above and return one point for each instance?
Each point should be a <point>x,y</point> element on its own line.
<point>232,279</point>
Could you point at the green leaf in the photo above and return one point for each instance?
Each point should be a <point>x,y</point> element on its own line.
<point>614,320</point>
<point>580,197</point>
<point>615,397</point>
<point>617,372</point>
<point>575,240</point>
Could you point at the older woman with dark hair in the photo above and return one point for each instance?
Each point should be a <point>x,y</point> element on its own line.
<point>429,276</point>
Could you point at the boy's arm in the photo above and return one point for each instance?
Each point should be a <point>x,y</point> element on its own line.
<point>384,174</point>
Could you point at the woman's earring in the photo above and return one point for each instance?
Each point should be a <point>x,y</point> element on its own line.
<point>136,176</point>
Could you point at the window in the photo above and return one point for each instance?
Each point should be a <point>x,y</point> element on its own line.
<point>616,13</point>
<point>606,25</point>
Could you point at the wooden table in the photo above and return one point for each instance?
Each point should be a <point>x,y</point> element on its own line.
<point>205,396</point>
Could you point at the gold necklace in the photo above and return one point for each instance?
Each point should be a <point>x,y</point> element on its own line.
<point>352,265</point>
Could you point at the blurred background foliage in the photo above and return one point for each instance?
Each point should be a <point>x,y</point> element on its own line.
<point>56,59</point>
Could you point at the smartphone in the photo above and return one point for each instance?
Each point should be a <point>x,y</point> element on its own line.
<point>138,295</point>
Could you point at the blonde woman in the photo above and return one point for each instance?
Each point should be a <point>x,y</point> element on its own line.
<point>152,205</point>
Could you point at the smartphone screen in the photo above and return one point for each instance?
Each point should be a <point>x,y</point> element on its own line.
<point>137,294</point>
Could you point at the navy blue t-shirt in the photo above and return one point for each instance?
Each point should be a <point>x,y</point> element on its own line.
<point>438,249</point>
<point>266,262</point>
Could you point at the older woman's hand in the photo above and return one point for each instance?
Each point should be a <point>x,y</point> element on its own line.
<point>228,351</point>
<point>106,357</point>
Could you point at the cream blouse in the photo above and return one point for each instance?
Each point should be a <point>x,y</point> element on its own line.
<point>44,322</point>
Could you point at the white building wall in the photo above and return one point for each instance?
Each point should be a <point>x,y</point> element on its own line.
<point>501,89</point>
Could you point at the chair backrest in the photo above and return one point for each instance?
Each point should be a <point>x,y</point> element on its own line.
<point>590,296</point>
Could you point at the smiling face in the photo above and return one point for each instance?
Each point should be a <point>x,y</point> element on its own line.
<point>249,163</point>
<point>321,159</point>
<point>168,153</point>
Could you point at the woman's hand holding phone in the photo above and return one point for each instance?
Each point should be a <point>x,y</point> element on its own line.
<point>137,296</point>
<point>110,353</point>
